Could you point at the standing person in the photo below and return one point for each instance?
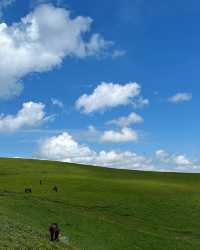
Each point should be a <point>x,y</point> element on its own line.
<point>57,232</point>
<point>54,232</point>
<point>40,182</point>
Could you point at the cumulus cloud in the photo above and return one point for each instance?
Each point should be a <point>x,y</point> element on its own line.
<point>174,160</point>
<point>64,148</point>
<point>124,160</point>
<point>162,155</point>
<point>31,114</point>
<point>180,97</point>
<point>109,95</point>
<point>125,135</point>
<point>125,121</point>
<point>40,41</point>
<point>182,160</point>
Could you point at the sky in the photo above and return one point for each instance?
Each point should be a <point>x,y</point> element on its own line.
<point>108,83</point>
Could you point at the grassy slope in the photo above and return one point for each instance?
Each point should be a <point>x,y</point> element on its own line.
<point>98,208</point>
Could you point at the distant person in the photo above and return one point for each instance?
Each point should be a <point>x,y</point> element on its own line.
<point>54,232</point>
<point>40,182</point>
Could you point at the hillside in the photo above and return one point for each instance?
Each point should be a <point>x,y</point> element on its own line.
<point>97,208</point>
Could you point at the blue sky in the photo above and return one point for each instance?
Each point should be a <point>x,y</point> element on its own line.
<point>146,56</point>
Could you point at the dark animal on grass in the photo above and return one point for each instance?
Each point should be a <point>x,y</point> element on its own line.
<point>54,232</point>
<point>28,190</point>
<point>55,189</point>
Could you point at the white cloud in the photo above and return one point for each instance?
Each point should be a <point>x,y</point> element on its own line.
<point>162,155</point>
<point>40,41</point>
<point>180,97</point>
<point>30,115</point>
<point>57,103</point>
<point>64,148</point>
<point>182,160</point>
<point>123,160</point>
<point>174,160</point>
<point>125,121</point>
<point>125,135</point>
<point>109,95</point>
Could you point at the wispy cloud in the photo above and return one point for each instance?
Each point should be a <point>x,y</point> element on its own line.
<point>118,53</point>
<point>57,103</point>
<point>4,4</point>
<point>125,121</point>
<point>180,97</point>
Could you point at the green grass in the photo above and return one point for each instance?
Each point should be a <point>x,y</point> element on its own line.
<point>97,208</point>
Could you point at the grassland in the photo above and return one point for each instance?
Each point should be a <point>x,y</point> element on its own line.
<point>97,208</point>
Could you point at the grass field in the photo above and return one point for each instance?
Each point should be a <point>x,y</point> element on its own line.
<point>97,208</point>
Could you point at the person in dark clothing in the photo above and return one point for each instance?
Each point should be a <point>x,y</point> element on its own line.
<point>40,182</point>
<point>57,235</point>
<point>54,232</point>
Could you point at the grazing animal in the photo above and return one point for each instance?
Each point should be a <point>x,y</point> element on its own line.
<point>54,232</point>
<point>55,188</point>
<point>28,190</point>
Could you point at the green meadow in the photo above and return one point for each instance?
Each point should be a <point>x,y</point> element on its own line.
<point>97,208</point>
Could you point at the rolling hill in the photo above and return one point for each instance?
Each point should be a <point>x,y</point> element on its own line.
<point>97,208</point>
